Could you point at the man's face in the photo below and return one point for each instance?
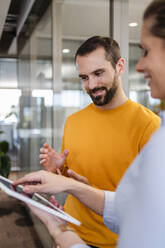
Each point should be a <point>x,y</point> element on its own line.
<point>98,76</point>
<point>152,60</point>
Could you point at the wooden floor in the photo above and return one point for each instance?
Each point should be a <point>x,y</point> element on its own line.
<point>16,227</point>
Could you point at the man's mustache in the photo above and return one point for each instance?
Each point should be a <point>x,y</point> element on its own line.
<point>96,89</point>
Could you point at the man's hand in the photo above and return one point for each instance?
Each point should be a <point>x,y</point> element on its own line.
<point>77,177</point>
<point>50,159</point>
<point>53,200</point>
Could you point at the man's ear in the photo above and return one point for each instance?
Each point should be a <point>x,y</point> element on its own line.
<point>120,66</point>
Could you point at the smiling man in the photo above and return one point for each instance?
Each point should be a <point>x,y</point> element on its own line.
<point>101,140</point>
<point>101,79</point>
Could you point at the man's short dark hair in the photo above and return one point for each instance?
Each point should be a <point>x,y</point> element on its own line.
<point>111,47</point>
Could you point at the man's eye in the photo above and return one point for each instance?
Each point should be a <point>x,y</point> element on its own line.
<point>98,73</point>
<point>84,78</point>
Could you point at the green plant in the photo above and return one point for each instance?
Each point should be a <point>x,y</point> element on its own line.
<point>5,161</point>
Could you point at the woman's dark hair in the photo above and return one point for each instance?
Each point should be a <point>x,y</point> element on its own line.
<point>111,47</point>
<point>156,10</point>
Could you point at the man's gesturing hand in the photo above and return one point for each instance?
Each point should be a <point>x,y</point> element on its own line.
<point>50,159</point>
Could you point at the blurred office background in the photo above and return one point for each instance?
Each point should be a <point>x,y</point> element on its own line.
<point>39,86</point>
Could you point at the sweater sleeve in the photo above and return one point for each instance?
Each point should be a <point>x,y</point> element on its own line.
<point>109,216</point>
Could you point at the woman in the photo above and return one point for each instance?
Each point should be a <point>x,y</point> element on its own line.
<point>136,210</point>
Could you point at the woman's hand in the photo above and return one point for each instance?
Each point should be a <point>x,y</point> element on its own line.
<point>64,239</point>
<point>49,220</point>
<point>43,181</point>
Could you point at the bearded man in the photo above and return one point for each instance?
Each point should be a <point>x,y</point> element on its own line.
<point>101,140</point>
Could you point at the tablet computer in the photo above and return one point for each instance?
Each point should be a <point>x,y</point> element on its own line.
<point>35,199</point>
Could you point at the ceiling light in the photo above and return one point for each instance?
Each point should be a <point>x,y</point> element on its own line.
<point>66,50</point>
<point>133,24</point>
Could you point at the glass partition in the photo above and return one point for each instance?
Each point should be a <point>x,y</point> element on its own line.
<point>139,89</point>
<point>35,82</point>
<point>78,20</point>
<point>41,82</point>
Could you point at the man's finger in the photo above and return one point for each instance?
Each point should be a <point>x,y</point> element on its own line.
<point>43,150</point>
<point>43,161</point>
<point>43,156</point>
<point>54,201</point>
<point>73,174</point>
<point>65,153</point>
<point>58,171</point>
<point>47,147</point>
<point>77,177</point>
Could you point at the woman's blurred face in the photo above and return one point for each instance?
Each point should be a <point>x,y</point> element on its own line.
<point>152,61</point>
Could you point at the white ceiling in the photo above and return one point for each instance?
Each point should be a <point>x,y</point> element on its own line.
<point>136,9</point>
<point>96,21</point>
<point>83,18</point>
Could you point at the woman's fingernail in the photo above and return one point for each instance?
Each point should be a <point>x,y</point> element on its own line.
<point>26,189</point>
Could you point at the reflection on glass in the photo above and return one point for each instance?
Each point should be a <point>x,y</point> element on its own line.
<point>35,80</point>
<point>8,73</point>
<point>9,111</point>
<point>139,90</point>
<point>9,107</point>
<point>70,96</point>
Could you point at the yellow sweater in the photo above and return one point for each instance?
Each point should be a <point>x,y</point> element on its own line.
<point>102,144</point>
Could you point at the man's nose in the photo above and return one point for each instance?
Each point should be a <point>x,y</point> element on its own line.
<point>92,83</point>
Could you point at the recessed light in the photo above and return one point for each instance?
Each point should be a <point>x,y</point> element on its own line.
<point>66,50</point>
<point>133,24</point>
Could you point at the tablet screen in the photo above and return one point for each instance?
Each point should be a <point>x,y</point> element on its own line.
<point>35,199</point>
<point>18,189</point>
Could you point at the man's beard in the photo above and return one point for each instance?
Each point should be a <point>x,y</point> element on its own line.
<point>103,100</point>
